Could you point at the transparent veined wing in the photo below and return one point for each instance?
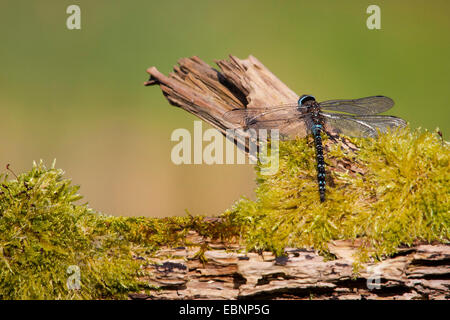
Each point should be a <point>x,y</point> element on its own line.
<point>250,116</point>
<point>287,128</point>
<point>287,119</point>
<point>294,129</point>
<point>362,106</point>
<point>360,126</point>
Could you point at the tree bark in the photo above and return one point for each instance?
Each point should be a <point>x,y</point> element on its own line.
<point>228,272</point>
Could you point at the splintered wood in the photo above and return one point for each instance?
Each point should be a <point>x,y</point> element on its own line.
<point>208,93</point>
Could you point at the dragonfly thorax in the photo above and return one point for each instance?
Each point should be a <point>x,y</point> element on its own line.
<point>308,104</point>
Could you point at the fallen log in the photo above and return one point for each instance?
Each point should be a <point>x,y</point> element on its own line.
<point>226,271</point>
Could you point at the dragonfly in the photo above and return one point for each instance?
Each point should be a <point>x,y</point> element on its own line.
<point>353,117</point>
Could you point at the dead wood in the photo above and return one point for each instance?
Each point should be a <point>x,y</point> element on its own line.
<point>199,89</point>
<point>419,272</point>
<point>208,93</point>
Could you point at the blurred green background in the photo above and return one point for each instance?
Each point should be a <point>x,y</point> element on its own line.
<point>77,95</point>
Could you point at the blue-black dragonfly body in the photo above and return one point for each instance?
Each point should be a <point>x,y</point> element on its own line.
<point>355,118</point>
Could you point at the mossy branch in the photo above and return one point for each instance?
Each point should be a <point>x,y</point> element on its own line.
<point>43,232</point>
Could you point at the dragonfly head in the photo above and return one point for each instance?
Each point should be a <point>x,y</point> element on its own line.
<point>302,102</point>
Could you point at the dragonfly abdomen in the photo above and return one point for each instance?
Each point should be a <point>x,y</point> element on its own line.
<point>317,128</point>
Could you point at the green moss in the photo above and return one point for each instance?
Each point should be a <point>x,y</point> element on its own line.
<point>402,197</point>
<point>43,232</point>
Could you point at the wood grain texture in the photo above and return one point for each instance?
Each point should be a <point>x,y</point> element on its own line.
<point>209,93</point>
<point>419,272</point>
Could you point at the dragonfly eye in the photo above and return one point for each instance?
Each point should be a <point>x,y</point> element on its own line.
<point>304,98</point>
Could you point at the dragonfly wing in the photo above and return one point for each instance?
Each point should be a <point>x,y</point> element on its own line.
<point>294,129</point>
<point>288,120</point>
<point>362,106</point>
<point>255,116</point>
<point>360,126</point>
<point>240,116</point>
<point>288,128</point>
